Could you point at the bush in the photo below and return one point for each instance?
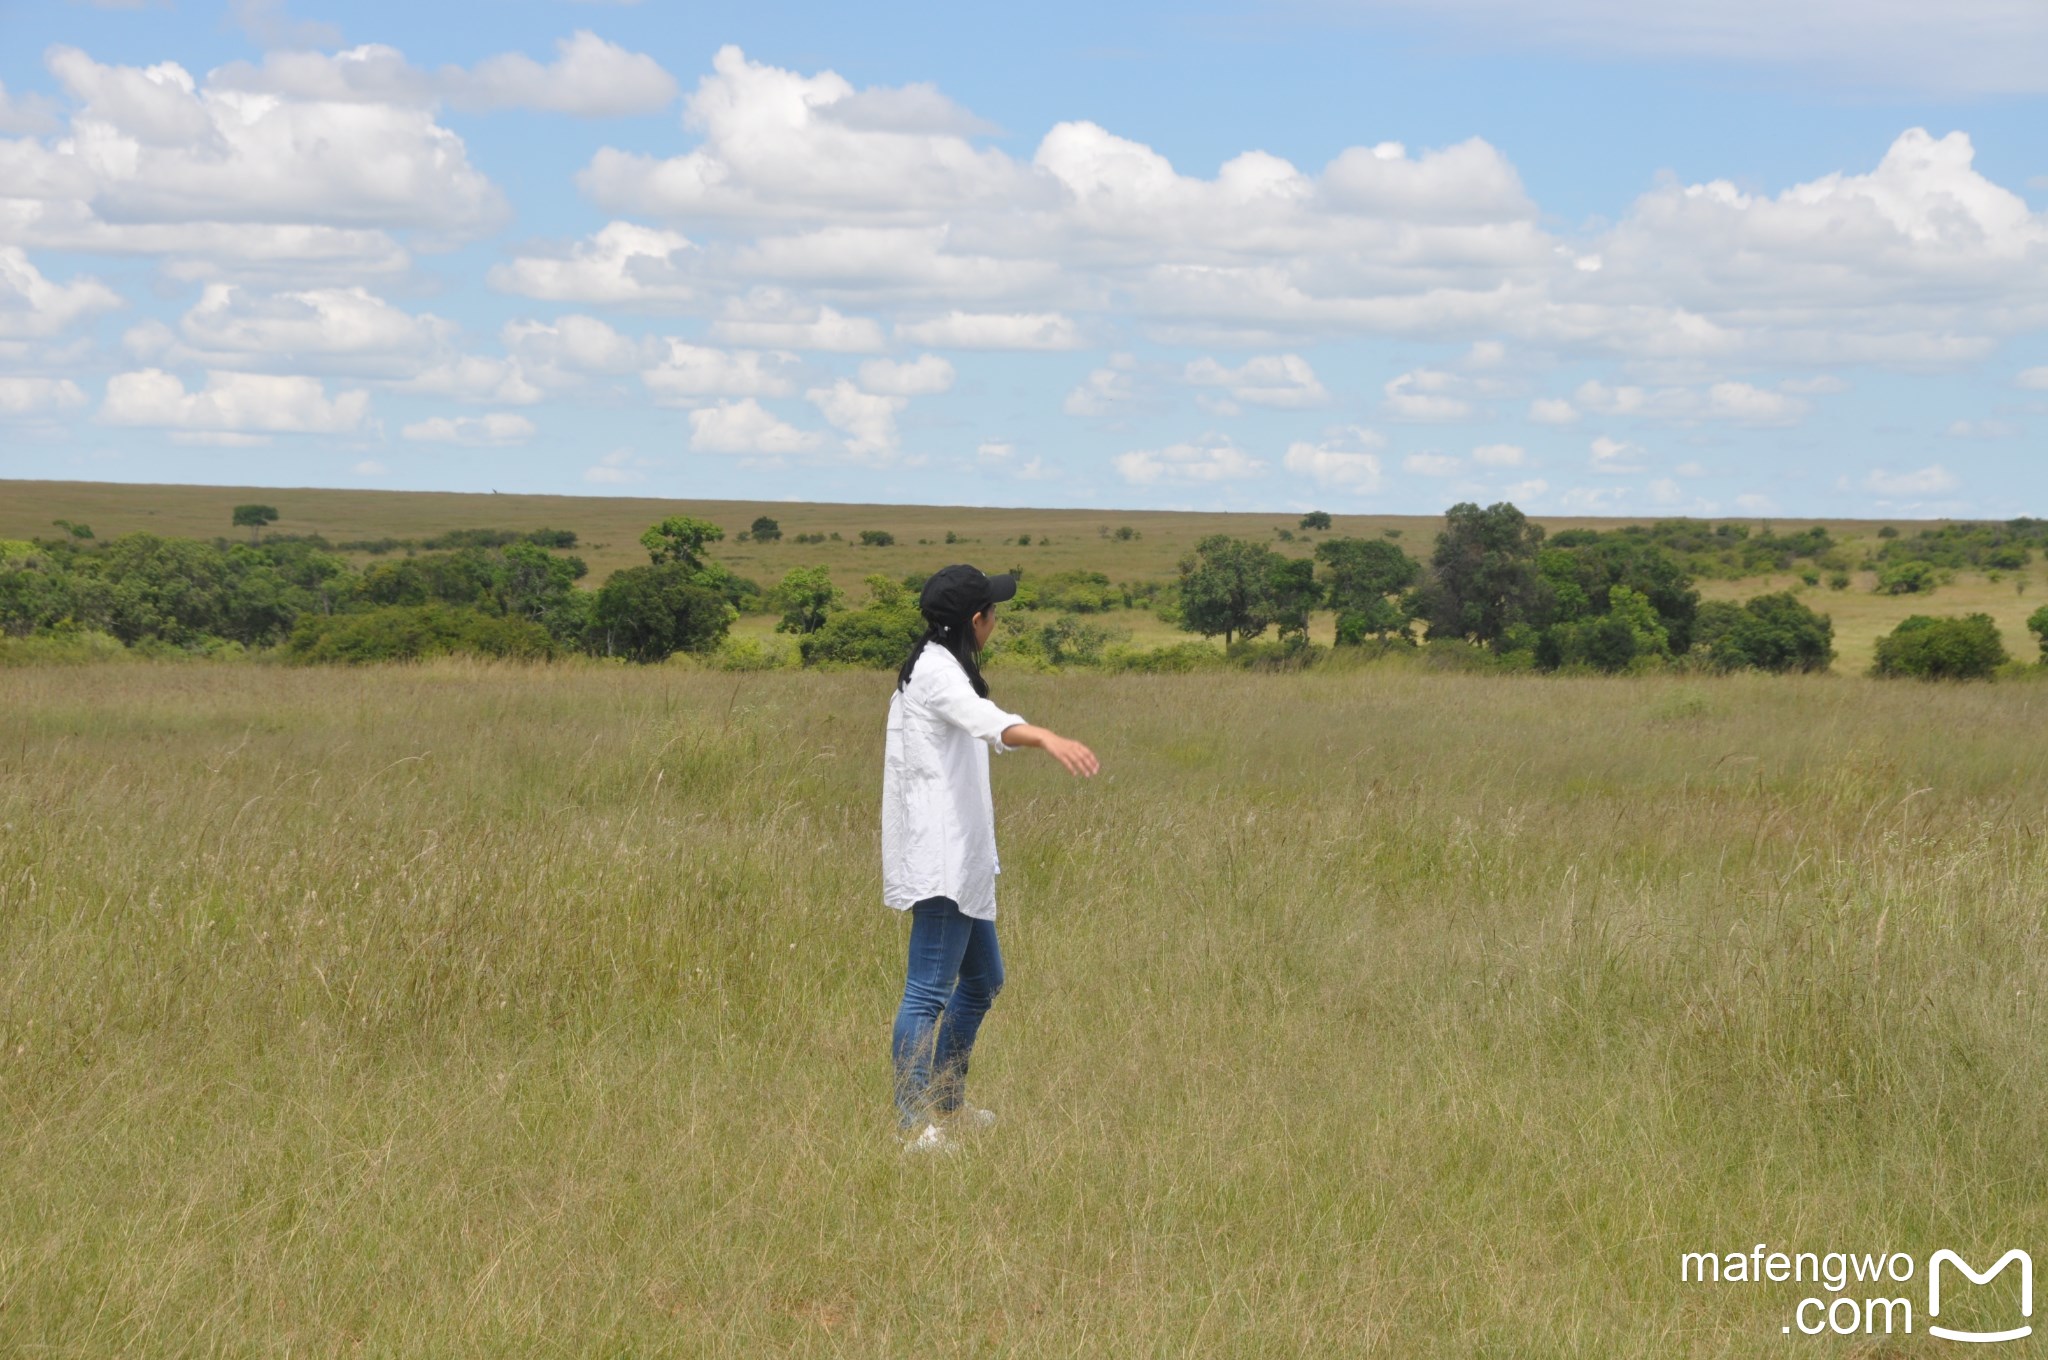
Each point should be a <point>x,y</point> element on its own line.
<point>877,538</point>
<point>1925,648</point>
<point>648,614</point>
<point>61,649</point>
<point>1174,659</point>
<point>755,654</point>
<point>877,635</point>
<point>1076,592</point>
<point>1769,633</point>
<point>1316,519</point>
<point>2037,624</point>
<point>1907,578</point>
<point>1064,641</point>
<point>414,632</point>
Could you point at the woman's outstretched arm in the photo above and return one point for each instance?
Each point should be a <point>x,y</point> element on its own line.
<point>1077,758</point>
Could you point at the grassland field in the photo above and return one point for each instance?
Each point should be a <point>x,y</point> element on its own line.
<point>471,1010</point>
<point>609,530</point>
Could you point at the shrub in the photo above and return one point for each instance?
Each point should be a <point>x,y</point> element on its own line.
<point>414,632</point>
<point>1769,633</point>
<point>1629,635</point>
<point>1380,620</point>
<point>755,654</point>
<point>1316,519</point>
<point>765,529</point>
<point>647,614</point>
<point>2037,624</point>
<point>1174,659</point>
<point>878,634</point>
<point>1907,578</point>
<point>61,649</point>
<point>1077,592</point>
<point>1926,648</point>
<point>877,538</point>
<point>806,598</point>
<point>1065,640</point>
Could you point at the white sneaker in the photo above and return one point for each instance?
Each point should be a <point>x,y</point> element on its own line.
<point>933,1139</point>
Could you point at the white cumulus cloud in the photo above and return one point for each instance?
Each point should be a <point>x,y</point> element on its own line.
<point>1343,459</point>
<point>992,330</point>
<point>1425,395</point>
<point>589,77</point>
<point>32,306</point>
<point>39,397</point>
<point>493,429</point>
<point>622,263</point>
<point>745,426</point>
<point>687,373</point>
<point>1926,481</point>
<point>925,376</point>
<point>867,421</point>
<point>1284,381</point>
<point>1212,459</point>
<point>773,318</point>
<point>1616,455</point>
<point>233,402</point>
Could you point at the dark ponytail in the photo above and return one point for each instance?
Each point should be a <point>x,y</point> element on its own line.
<point>957,637</point>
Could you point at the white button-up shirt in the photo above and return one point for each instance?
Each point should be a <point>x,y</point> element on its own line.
<point>938,819</point>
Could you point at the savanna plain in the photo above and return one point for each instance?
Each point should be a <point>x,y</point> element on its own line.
<point>472,1009</point>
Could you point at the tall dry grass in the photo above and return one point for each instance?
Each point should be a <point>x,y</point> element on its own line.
<point>473,1011</point>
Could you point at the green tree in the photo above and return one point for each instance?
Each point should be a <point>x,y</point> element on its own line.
<point>1291,584</point>
<point>536,585</point>
<point>1482,576</point>
<point>2037,624</point>
<point>1907,578</point>
<point>253,518</point>
<point>878,634</point>
<point>765,530</point>
<point>1358,571</point>
<point>1925,648</point>
<point>1078,591</point>
<point>1316,519</point>
<point>1769,633</point>
<point>806,597</point>
<point>648,613</point>
<point>1226,587</point>
<point>680,539</point>
<point>1630,631</point>
<point>1358,576</point>
<point>413,632</point>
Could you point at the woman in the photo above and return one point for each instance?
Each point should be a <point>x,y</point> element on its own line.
<point>939,845</point>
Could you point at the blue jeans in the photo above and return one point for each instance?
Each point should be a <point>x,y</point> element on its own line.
<point>954,974</point>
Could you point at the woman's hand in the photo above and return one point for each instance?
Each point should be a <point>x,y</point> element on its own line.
<point>1078,759</point>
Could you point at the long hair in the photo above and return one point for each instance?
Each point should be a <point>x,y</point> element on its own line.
<point>957,637</point>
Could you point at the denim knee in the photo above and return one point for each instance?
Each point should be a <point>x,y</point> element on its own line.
<point>924,999</point>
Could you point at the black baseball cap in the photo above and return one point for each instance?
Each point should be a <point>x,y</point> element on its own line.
<point>958,591</point>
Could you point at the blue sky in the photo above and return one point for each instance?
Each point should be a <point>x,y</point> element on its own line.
<point>1715,257</point>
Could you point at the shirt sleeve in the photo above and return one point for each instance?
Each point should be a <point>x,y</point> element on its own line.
<point>953,699</point>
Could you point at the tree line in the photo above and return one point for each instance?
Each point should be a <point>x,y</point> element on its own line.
<point>1493,583</point>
